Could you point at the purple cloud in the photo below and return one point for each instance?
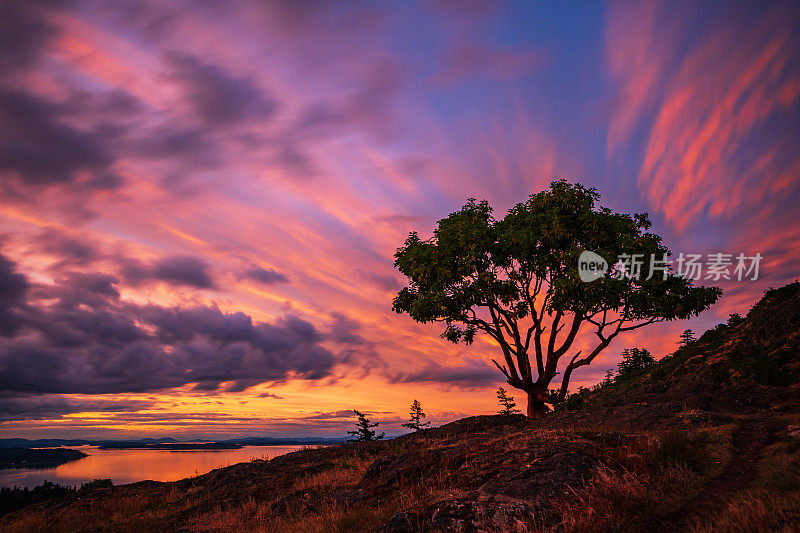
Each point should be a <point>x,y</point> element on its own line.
<point>87,340</point>
<point>180,270</point>
<point>266,276</point>
<point>218,98</point>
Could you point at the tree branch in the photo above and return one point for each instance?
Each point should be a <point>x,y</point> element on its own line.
<point>503,370</point>
<point>577,319</point>
<point>504,346</point>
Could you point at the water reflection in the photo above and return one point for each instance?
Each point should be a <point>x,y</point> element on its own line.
<point>127,466</point>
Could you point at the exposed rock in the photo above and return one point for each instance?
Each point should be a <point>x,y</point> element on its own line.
<point>468,516</point>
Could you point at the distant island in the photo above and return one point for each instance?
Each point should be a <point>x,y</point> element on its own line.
<point>18,457</point>
<point>57,443</point>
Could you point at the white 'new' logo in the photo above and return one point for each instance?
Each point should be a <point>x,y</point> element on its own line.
<point>591,266</point>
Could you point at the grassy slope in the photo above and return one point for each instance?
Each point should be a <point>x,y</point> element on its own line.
<point>708,439</point>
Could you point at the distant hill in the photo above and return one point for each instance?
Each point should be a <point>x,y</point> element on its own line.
<point>705,440</point>
<point>285,441</point>
<point>46,458</point>
<point>133,443</point>
<point>55,443</point>
<point>174,446</point>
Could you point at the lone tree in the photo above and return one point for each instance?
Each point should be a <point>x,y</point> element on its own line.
<point>416,417</point>
<point>516,279</point>
<point>687,337</point>
<point>506,402</point>
<point>364,430</point>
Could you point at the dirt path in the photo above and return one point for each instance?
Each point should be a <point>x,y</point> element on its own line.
<point>747,442</point>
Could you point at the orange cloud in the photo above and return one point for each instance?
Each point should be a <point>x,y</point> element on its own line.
<point>731,87</point>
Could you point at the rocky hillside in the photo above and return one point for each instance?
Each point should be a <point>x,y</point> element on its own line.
<point>707,439</point>
<point>748,365</point>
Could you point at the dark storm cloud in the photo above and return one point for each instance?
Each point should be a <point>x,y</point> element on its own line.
<point>41,145</point>
<point>93,289</point>
<point>13,287</point>
<point>217,97</point>
<point>78,336</point>
<point>184,269</point>
<point>181,270</point>
<point>24,32</point>
<point>266,276</point>
<point>471,373</point>
<point>44,407</point>
<point>71,250</point>
<point>40,149</point>
<point>192,145</point>
<point>344,330</point>
<point>81,314</point>
<point>221,112</point>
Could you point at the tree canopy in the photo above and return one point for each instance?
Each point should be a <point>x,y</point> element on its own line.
<point>634,359</point>
<point>516,279</point>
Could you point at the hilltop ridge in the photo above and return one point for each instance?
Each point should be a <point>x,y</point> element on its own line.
<point>749,364</point>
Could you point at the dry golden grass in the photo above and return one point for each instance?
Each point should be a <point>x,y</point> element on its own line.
<point>615,500</point>
<point>345,474</point>
<point>253,516</point>
<point>327,516</point>
<point>756,513</point>
<point>126,513</point>
<point>654,476</point>
<point>773,501</point>
<point>316,511</point>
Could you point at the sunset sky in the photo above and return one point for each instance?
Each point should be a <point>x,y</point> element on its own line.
<point>200,201</point>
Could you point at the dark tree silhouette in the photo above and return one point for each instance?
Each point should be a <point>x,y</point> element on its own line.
<point>687,337</point>
<point>516,279</point>
<point>416,417</point>
<point>17,498</point>
<point>734,319</point>
<point>364,431</point>
<point>634,359</point>
<point>506,402</point>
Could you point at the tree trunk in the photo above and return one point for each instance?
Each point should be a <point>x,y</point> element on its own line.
<point>536,406</point>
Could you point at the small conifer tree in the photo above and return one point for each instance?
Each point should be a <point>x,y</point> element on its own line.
<point>416,417</point>
<point>363,430</point>
<point>687,337</point>
<point>506,402</point>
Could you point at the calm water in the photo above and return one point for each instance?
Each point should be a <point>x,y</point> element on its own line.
<point>127,466</point>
